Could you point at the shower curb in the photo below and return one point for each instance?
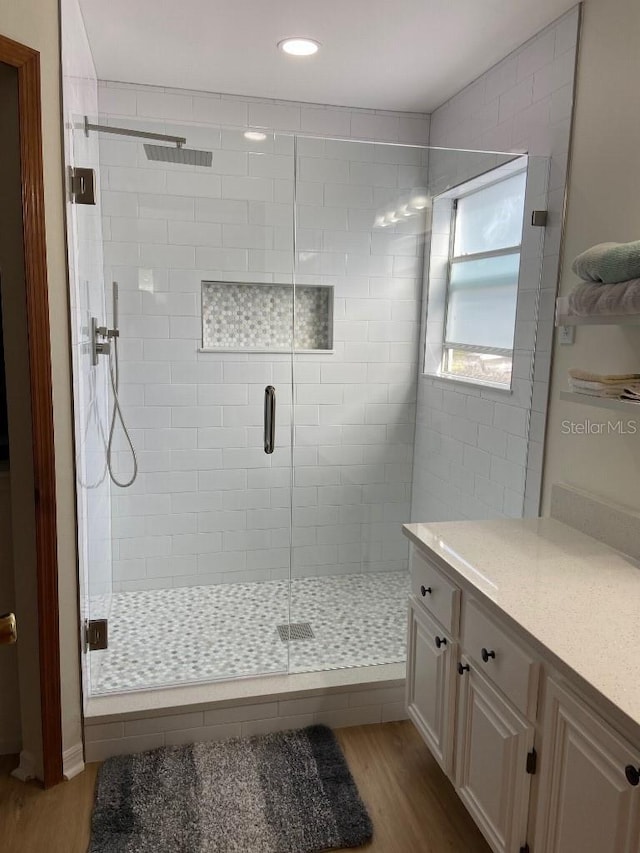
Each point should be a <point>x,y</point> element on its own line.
<point>134,722</point>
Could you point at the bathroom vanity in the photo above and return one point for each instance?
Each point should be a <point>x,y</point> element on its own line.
<point>523,678</point>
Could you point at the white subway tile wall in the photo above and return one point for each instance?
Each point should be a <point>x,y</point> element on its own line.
<point>478,453</point>
<point>209,506</point>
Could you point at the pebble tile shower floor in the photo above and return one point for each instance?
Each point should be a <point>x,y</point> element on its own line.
<point>165,637</point>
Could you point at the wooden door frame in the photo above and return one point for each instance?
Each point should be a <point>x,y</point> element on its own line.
<point>27,63</point>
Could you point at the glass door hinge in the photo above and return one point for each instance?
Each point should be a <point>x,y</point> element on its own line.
<point>95,634</point>
<point>82,185</point>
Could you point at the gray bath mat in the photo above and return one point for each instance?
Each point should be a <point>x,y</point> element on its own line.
<point>289,792</point>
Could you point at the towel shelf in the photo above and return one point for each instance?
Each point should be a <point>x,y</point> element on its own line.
<point>599,320</point>
<point>564,319</point>
<point>615,405</point>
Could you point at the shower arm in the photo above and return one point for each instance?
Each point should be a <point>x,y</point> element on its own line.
<point>178,141</point>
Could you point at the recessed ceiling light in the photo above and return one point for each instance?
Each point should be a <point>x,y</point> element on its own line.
<point>299,46</point>
<point>255,135</point>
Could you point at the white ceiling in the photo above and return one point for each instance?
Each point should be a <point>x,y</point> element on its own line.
<point>403,55</point>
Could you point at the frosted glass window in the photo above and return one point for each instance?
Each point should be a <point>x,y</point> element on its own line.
<point>491,218</point>
<point>481,309</point>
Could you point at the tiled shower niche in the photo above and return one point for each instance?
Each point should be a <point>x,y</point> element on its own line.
<point>259,317</point>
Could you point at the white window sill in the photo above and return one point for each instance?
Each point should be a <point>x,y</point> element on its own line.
<point>464,380</point>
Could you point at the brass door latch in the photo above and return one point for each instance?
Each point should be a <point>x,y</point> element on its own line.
<point>8,629</point>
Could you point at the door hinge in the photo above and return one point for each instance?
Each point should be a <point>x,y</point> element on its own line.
<point>524,849</point>
<point>82,184</point>
<point>96,634</point>
<point>532,761</point>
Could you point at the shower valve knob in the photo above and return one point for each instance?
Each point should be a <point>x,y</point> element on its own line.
<point>107,333</point>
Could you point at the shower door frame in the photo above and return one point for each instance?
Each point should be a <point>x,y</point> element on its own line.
<point>26,61</point>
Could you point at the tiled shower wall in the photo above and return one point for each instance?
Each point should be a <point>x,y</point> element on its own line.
<point>478,452</point>
<point>209,506</point>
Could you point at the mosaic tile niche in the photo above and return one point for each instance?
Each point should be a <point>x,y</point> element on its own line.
<point>247,316</point>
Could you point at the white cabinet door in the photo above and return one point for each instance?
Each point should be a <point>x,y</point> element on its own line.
<point>585,801</point>
<point>430,702</point>
<point>493,740</point>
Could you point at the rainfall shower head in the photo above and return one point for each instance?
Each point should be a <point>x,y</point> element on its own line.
<point>161,153</point>
<point>186,156</point>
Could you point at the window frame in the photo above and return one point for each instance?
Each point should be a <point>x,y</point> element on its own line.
<point>449,346</point>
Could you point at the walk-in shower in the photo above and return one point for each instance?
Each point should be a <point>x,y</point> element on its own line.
<point>261,538</point>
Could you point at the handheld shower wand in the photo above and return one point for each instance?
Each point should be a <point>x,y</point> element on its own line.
<point>109,346</point>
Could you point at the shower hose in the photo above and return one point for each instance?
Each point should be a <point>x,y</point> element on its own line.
<point>116,413</point>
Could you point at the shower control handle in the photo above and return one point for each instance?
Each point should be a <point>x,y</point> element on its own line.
<point>269,419</point>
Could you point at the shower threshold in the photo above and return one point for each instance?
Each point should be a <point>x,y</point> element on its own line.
<point>147,719</point>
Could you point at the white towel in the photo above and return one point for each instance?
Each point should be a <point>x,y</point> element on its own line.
<point>604,394</point>
<point>602,386</point>
<point>607,378</point>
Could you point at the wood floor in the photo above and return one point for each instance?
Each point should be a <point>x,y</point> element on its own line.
<point>413,806</point>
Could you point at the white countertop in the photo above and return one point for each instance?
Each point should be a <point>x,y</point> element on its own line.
<point>571,594</point>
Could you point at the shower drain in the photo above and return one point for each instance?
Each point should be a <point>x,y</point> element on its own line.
<point>295,631</point>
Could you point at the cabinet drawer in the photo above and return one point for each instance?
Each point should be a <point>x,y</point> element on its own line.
<point>500,658</point>
<point>439,595</point>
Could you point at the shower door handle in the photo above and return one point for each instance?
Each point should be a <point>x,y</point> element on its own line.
<point>269,419</point>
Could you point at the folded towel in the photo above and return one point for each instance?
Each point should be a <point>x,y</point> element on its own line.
<point>606,393</point>
<point>606,378</point>
<point>589,299</point>
<point>609,262</point>
<point>603,386</point>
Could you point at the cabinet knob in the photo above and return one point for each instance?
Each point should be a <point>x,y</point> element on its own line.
<point>424,590</point>
<point>486,655</point>
<point>441,641</point>
<point>462,668</point>
<point>633,774</point>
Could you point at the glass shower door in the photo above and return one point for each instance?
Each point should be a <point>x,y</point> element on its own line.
<point>201,539</point>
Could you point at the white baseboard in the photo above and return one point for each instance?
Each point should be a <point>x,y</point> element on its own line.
<point>27,769</point>
<point>73,761</point>
<point>72,764</point>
